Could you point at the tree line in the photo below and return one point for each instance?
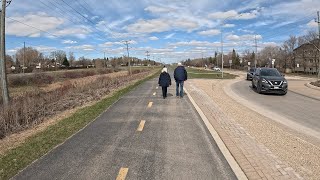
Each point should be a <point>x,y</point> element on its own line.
<point>283,54</point>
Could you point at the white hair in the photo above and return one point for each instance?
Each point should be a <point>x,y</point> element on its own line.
<point>179,64</point>
<point>164,70</point>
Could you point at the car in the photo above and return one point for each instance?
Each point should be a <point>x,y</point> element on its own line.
<point>216,68</point>
<point>250,73</point>
<point>269,80</point>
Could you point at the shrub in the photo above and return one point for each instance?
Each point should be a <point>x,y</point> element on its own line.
<point>42,78</point>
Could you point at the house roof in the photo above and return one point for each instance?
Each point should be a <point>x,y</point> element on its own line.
<point>315,42</point>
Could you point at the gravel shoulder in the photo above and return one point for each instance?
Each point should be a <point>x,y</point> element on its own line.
<point>299,151</point>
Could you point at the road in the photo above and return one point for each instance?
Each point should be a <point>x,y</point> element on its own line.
<point>300,109</point>
<point>173,143</point>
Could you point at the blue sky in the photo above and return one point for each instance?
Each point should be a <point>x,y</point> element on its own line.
<point>171,30</point>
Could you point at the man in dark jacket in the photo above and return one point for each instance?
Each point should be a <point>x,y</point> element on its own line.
<point>180,75</point>
<point>164,81</point>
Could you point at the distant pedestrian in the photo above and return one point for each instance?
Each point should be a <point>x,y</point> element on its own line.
<point>180,75</point>
<point>164,81</point>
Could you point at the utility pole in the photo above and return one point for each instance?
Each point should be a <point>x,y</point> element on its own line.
<point>318,21</point>
<point>221,53</point>
<point>4,84</point>
<point>24,52</point>
<point>255,55</point>
<point>104,59</point>
<point>147,52</point>
<point>127,45</point>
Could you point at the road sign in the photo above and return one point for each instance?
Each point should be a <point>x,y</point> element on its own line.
<point>249,63</point>
<point>298,65</point>
<point>230,61</point>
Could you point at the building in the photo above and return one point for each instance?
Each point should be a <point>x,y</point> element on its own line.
<point>306,57</point>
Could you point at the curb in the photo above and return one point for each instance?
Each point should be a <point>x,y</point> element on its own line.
<point>309,85</point>
<point>317,99</point>
<point>226,153</point>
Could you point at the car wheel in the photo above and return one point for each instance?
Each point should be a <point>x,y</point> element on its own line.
<point>258,88</point>
<point>253,86</point>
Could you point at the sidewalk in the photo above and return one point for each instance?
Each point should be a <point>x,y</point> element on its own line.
<point>254,158</point>
<point>304,88</point>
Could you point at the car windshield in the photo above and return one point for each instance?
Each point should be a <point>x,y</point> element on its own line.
<point>270,72</point>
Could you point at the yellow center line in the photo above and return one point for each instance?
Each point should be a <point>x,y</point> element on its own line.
<point>154,93</point>
<point>150,104</point>
<point>122,174</point>
<point>141,125</point>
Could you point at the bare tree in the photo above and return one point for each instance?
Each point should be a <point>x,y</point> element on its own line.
<point>28,56</point>
<point>71,59</point>
<point>288,46</point>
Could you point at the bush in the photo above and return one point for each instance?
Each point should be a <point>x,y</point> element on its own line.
<point>42,78</point>
<point>16,81</point>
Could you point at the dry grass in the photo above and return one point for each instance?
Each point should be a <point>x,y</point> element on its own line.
<point>32,108</point>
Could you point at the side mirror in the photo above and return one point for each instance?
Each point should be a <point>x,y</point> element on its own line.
<point>283,75</point>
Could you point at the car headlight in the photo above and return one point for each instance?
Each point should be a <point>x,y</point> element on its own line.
<point>264,81</point>
<point>285,82</point>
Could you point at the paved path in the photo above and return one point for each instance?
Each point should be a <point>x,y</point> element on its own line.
<point>173,144</point>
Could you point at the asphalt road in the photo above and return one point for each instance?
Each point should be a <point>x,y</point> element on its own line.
<point>173,144</point>
<point>300,109</point>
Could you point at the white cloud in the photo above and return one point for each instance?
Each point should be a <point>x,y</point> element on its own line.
<point>232,14</point>
<point>122,43</point>
<point>169,36</point>
<point>247,37</point>
<point>196,43</point>
<point>312,24</point>
<point>212,32</point>
<point>45,49</point>
<point>69,42</point>
<point>229,25</point>
<point>158,9</point>
<point>149,26</point>
<point>39,20</point>
<point>153,38</point>
<point>78,31</point>
<point>85,47</point>
<point>223,15</point>
<point>185,24</point>
<point>162,25</point>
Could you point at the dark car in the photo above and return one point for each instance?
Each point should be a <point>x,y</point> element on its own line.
<point>250,73</point>
<point>269,80</point>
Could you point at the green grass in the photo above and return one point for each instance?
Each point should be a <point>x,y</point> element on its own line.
<point>38,145</point>
<point>207,74</point>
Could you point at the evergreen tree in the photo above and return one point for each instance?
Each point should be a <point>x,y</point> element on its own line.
<point>65,62</point>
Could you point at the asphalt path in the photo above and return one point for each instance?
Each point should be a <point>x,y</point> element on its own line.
<point>300,109</point>
<point>172,143</point>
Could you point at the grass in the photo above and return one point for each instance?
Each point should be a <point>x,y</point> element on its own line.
<point>38,145</point>
<point>207,74</point>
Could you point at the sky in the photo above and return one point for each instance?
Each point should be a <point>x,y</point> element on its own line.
<point>170,30</point>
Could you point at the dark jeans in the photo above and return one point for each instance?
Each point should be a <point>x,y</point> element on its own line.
<point>179,83</point>
<point>164,91</point>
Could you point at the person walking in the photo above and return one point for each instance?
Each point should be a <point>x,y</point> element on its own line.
<point>180,75</point>
<point>164,81</point>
